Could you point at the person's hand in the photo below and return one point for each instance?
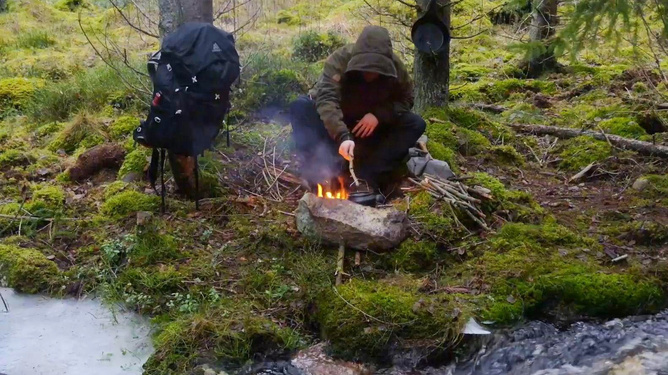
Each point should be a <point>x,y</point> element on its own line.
<point>347,149</point>
<point>366,126</point>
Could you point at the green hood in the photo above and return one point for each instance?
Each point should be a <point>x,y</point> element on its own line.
<point>373,52</point>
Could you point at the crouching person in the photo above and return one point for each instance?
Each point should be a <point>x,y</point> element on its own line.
<point>359,110</point>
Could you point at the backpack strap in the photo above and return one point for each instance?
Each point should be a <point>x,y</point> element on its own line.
<point>196,184</point>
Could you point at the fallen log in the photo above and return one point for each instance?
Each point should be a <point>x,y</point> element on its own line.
<point>641,147</point>
<point>104,156</point>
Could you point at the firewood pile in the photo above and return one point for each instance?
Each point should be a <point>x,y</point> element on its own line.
<point>467,199</point>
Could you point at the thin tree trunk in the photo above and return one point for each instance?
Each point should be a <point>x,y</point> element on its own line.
<point>542,30</point>
<point>174,13</point>
<point>432,71</point>
<point>641,147</point>
<point>3,5</point>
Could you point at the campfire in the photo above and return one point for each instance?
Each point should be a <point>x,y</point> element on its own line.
<point>333,191</point>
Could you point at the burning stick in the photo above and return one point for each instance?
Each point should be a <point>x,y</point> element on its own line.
<point>352,172</point>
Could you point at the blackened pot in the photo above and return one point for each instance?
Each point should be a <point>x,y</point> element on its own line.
<point>364,198</point>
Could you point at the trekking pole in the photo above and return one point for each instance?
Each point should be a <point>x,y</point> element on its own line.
<point>227,128</point>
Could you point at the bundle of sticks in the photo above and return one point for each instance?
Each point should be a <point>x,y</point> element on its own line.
<point>467,199</point>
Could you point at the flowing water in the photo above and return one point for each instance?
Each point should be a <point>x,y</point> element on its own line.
<point>41,335</point>
<point>632,346</point>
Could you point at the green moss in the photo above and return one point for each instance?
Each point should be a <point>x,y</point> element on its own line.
<point>471,142</point>
<point>438,219</point>
<point>440,152</point>
<point>26,270</point>
<point>129,202</point>
<point>413,255</point>
<point>537,270</point>
<point>35,40</point>
<point>363,319</point>
<point>516,205</point>
<point>15,93</point>
<point>657,188</point>
<point>230,331</point>
<point>623,126</point>
<point>504,154</point>
<point>123,127</point>
<point>12,158</point>
<point>288,17</point>
<point>135,162</point>
<point>70,5</point>
<point>81,133</point>
<point>49,197</point>
<point>579,152</point>
<point>472,120</point>
<point>501,90</point>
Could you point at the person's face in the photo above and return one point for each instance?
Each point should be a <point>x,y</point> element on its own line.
<point>370,76</point>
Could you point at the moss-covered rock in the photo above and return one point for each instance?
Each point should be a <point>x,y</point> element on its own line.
<point>579,152</point>
<point>26,270</point>
<point>129,202</point>
<point>48,197</point>
<point>230,331</point>
<point>363,319</point>
<point>135,162</point>
<point>15,93</point>
<point>537,270</point>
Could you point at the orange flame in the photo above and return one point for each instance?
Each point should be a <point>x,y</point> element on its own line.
<point>340,194</point>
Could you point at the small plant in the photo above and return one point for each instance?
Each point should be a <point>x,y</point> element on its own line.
<point>35,40</point>
<point>312,46</point>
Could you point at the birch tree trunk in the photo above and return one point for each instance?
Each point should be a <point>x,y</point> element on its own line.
<point>432,71</point>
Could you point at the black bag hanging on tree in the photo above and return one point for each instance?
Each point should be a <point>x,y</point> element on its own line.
<point>430,33</point>
<point>192,76</point>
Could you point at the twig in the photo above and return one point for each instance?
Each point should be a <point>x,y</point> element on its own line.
<point>352,172</point>
<point>4,303</point>
<point>339,264</point>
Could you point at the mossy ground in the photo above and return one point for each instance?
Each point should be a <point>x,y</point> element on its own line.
<point>235,280</point>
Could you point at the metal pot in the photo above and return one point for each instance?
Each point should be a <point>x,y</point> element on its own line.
<point>365,198</point>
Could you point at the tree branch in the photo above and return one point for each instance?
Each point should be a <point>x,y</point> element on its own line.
<point>130,23</point>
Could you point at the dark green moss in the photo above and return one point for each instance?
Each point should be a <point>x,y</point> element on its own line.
<point>517,205</point>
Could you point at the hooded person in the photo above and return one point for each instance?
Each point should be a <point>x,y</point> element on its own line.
<point>360,109</point>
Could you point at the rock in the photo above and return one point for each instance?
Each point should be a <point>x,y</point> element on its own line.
<point>356,226</point>
<point>132,177</point>
<point>108,155</point>
<point>314,361</point>
<point>641,184</point>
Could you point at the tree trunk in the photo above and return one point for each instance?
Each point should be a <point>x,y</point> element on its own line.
<point>640,147</point>
<point>432,71</point>
<point>3,5</point>
<point>174,13</point>
<point>542,30</point>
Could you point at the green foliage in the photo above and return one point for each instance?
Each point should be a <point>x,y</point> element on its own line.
<point>90,90</point>
<point>70,5</point>
<point>312,46</point>
<point>26,270</point>
<point>399,316</point>
<point>49,198</point>
<point>129,202</point>
<point>581,151</point>
<point>271,89</point>
<point>623,126</point>
<point>35,40</point>
<point>288,17</point>
<point>82,132</point>
<point>413,255</point>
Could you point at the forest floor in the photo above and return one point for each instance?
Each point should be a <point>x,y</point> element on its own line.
<point>235,281</point>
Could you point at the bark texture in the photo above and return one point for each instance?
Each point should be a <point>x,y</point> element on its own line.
<point>432,71</point>
<point>104,156</point>
<point>641,147</point>
<point>174,13</point>
<point>542,30</point>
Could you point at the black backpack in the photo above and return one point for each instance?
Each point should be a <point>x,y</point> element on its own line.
<point>192,75</point>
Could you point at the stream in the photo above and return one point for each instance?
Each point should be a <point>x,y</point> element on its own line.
<point>42,335</point>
